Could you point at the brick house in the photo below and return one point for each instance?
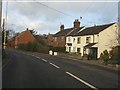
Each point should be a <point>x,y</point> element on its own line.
<point>59,39</point>
<point>22,38</point>
<point>50,38</point>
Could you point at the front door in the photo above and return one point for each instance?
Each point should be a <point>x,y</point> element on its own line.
<point>93,53</point>
<point>69,49</point>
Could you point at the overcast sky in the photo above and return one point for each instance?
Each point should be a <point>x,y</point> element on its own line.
<point>46,17</point>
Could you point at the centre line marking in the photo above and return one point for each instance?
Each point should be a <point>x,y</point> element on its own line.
<point>44,60</point>
<point>54,65</point>
<point>37,57</point>
<point>33,55</point>
<point>91,86</point>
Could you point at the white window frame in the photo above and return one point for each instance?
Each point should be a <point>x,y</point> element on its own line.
<point>88,39</point>
<point>78,42</point>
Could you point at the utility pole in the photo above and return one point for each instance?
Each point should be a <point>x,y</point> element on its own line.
<point>0,13</point>
<point>4,35</point>
<point>6,12</point>
<point>0,26</point>
<point>5,27</point>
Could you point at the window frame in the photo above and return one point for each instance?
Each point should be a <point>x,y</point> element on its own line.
<point>79,40</point>
<point>88,39</point>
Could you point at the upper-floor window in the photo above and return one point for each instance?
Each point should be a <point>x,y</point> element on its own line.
<point>78,40</point>
<point>55,38</point>
<point>62,38</point>
<point>88,39</point>
<point>69,39</point>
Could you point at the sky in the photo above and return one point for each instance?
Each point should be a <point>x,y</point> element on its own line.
<point>46,16</point>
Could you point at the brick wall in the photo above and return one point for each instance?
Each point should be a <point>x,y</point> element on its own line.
<point>23,38</point>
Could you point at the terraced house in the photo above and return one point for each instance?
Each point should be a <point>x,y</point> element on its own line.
<point>93,40</point>
<point>59,39</point>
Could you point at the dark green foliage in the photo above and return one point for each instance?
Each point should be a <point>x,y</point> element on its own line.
<point>43,49</point>
<point>34,47</point>
<point>105,56</point>
<point>115,55</point>
<point>40,40</point>
<point>57,49</point>
<point>33,32</point>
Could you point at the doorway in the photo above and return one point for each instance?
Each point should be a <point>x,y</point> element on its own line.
<point>93,53</point>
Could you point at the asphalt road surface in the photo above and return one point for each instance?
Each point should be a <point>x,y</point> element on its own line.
<point>44,71</point>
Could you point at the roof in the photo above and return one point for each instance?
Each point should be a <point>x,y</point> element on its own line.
<point>94,29</point>
<point>89,45</point>
<point>75,31</point>
<point>63,32</point>
<point>19,35</point>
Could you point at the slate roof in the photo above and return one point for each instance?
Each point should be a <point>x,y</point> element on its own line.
<point>75,31</point>
<point>89,45</point>
<point>93,30</point>
<point>64,32</point>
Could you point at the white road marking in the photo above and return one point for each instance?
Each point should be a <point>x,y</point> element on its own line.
<point>54,65</point>
<point>27,54</point>
<point>32,55</point>
<point>91,86</point>
<point>37,57</point>
<point>44,60</point>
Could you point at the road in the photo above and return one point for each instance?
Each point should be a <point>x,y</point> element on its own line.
<point>44,71</point>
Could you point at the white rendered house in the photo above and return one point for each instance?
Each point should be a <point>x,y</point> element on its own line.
<point>94,40</point>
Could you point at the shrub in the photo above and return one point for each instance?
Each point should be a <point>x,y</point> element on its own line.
<point>105,56</point>
<point>57,49</point>
<point>115,55</point>
<point>34,47</point>
<point>43,49</point>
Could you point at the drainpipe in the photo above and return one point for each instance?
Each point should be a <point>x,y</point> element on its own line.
<point>93,38</point>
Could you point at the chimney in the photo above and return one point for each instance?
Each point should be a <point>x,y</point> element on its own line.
<point>61,27</point>
<point>76,23</point>
<point>26,29</point>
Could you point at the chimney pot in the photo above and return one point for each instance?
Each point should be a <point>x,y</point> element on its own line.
<point>27,29</point>
<point>62,27</point>
<point>76,23</point>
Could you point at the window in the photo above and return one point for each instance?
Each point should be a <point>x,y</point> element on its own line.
<point>55,38</point>
<point>78,50</point>
<point>87,39</point>
<point>78,40</point>
<point>62,38</point>
<point>69,39</point>
<point>74,49</point>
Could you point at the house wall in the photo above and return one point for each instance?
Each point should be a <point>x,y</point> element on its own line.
<point>67,41</point>
<point>108,38</point>
<point>59,41</point>
<point>50,40</point>
<point>94,39</point>
<point>25,38</point>
<point>73,41</point>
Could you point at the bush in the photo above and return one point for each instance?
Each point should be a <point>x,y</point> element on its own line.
<point>43,49</point>
<point>34,47</point>
<point>115,55</point>
<point>57,49</point>
<point>27,47</point>
<point>105,56</point>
